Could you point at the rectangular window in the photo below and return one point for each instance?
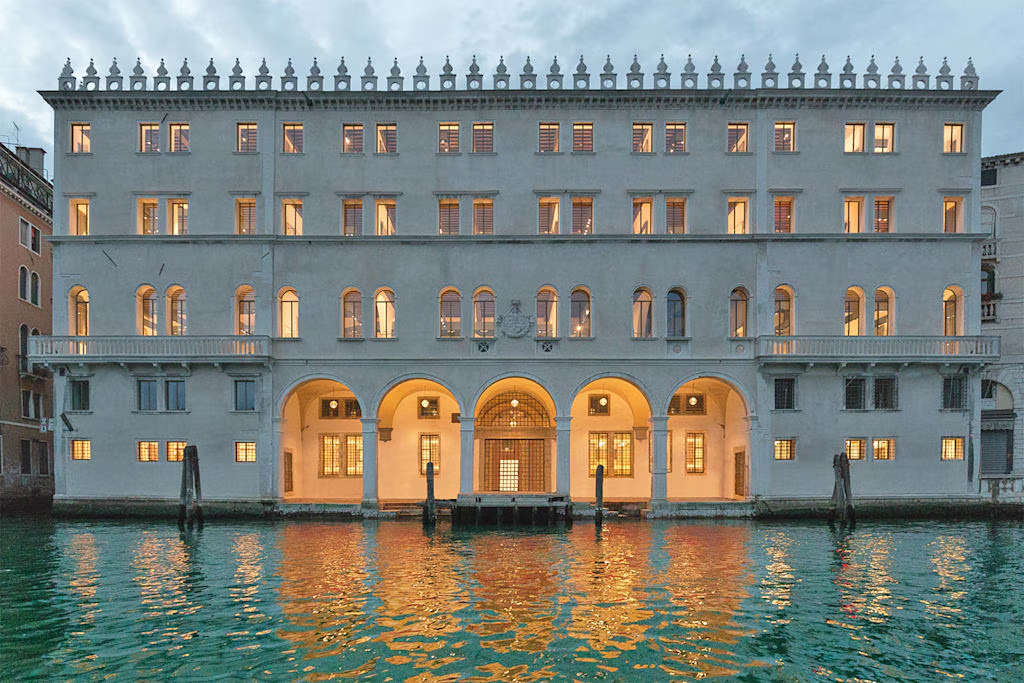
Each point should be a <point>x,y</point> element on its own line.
<point>352,138</point>
<point>149,137</point>
<point>149,451</point>
<point>738,215</point>
<point>448,217</point>
<point>953,214</point>
<point>387,214</point>
<point>952,448</point>
<point>354,455</point>
<point>245,451</point>
<point>953,138</point>
<point>886,395</point>
<point>583,137</point>
<point>483,137</point>
<point>387,138</point>
<point>174,394</point>
<point>177,216</point>
<point>245,394</point>
<point>330,408</point>
<point>24,230</point>
<point>643,134</point>
<point>737,134</point>
<point>179,134</point>
<point>954,393</point>
<point>784,449</point>
<point>883,449</point>
<point>81,141</point>
<point>883,210</point>
<point>785,393</point>
<point>582,215</point>
<point>856,449</point>
<point>352,217</point>
<point>785,136</point>
<point>26,456</point>
<point>149,217</point>
<point>853,214</point>
<point>989,176</point>
<point>26,403</point>
<point>675,215</point>
<point>693,404</point>
<point>885,134</point>
<point>643,207</point>
<point>78,216</point>
<point>245,137</point>
<point>81,449</point>
<point>448,138</point>
<point>694,452</point>
<point>853,138</point>
<point>783,214</point>
<point>548,137</point>
<point>614,450</point>
<point>675,137</point>
<point>176,451</point>
<point>429,408</point>
<point>599,404</point>
<point>146,394</point>
<point>548,216</point>
<point>292,138</point>
<point>483,217</point>
<point>855,393</point>
<point>291,217</point>
<point>430,446</point>
<point>245,216</point>
<point>79,390</point>
<point>330,455</point>
<point>352,409</point>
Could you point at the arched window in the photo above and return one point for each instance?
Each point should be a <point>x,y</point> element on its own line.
<point>23,283</point>
<point>384,315</point>
<point>23,347</point>
<point>883,312</point>
<point>451,314</point>
<point>245,310</point>
<point>952,312</point>
<point>288,313</point>
<point>547,313</point>
<point>738,312</point>
<point>642,324</point>
<point>78,312</point>
<point>352,314</point>
<point>579,313</point>
<point>177,313</point>
<point>675,314</point>
<point>853,312</point>
<point>483,313</point>
<point>783,312</point>
<point>988,281</point>
<point>145,311</point>
<point>35,289</point>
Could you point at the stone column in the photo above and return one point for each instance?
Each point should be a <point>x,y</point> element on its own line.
<point>659,459</point>
<point>369,463</point>
<point>759,454</point>
<point>466,460</point>
<point>563,454</point>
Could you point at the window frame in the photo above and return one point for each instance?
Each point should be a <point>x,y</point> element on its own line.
<point>953,141</point>
<point>144,140</point>
<point>553,130</point>
<point>291,143</point>
<point>249,205</point>
<point>893,394</point>
<point>646,137</point>
<point>731,226</point>
<point>579,227</point>
<point>448,209</point>
<point>182,395</point>
<point>742,137</point>
<point>853,201</point>
<point>788,450</point>
<point>646,206</point>
<point>433,439</point>
<point>483,216</point>
<point>891,139</point>
<point>890,442</point>
<point>245,452</point>
<point>959,222</point>
<point>147,451</point>
<point>76,216</point>
<point>383,142</point>
<point>249,128</point>
<point>693,465</point>
<point>849,141</point>
<point>478,137</point>
<point>75,137</point>
<point>955,453</point>
<point>790,221</point>
<point>446,142</point>
<point>789,393</point>
<point>352,145</point>
<point>80,449</point>
<point>147,382</point>
<point>677,126</point>
<point>783,127</point>
<point>178,127</point>
<point>243,382</point>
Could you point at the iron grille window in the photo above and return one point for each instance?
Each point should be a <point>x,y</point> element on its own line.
<point>352,409</point>
<point>855,449</point>
<point>177,210</point>
<point>291,217</point>
<point>245,218</point>
<point>352,217</point>
<point>429,408</point>
<point>783,214</point>
<point>952,448</point>
<point>675,215</point>
<point>548,137</point>
<point>675,405</point>
<point>292,138</point>
<point>26,456</point>
<point>352,310</point>
<point>675,137</point>
<point>81,138</point>
<point>883,449</point>
<point>448,138</point>
<point>583,137</point>
<point>954,393</point>
<point>430,447</point>
<point>694,452</point>
<point>886,394</point>
<point>245,394</point>
<point>146,393</point>
<point>330,408</point>
<point>582,215</point>
<point>245,137</point>
<point>989,176</point>
<point>246,314</point>
<point>448,217</point>
<point>149,137</point>
<point>785,136</point>
<point>853,138</point>
<point>599,404</point>
<point>483,137</point>
<point>79,390</point>
<point>331,455</point>
<point>354,455</point>
<point>245,451</point>
<point>547,220</point>
<point>885,138</point>
<point>785,393</point>
<point>352,138</point>
<point>513,410</point>
<point>384,315</point>
<point>855,393</point>
<point>81,449</point>
<point>643,207</point>
<point>881,313</point>
<point>483,217</point>
<point>176,450</point>
<point>693,404</point>
<point>882,212</point>
<point>174,394</point>
<point>784,449</point>
<point>149,217</point>
<point>387,138</point>
<point>642,138</point>
<point>953,138</point>
<point>180,137</point>
<point>149,451</point>
<point>614,450</point>
<point>783,313</point>
<point>579,314</point>
<point>737,137</point>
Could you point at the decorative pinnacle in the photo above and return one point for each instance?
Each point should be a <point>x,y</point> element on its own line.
<point>421,68</point>
<point>823,66</point>
<point>848,67</point>
<point>447,68</point>
<point>211,70</point>
<point>921,69</point>
<point>716,68</point>
<point>342,69</point>
<point>769,67</point>
<point>608,68</point>
<point>314,70</point>
<point>114,71</point>
<point>185,71</point>
<point>264,69</point>
<point>236,70</point>
<point>91,69</point>
<point>528,67</point>
<point>872,67</point>
<point>634,68</point>
<point>797,66</point>
<point>67,71</point>
<point>555,69</point>
<point>581,68</point>
<point>368,71</point>
<point>969,69</point>
<point>395,70</point>
<point>138,70</point>
<point>289,70</point>
<point>689,67</point>
<point>944,69</point>
<point>742,66</point>
<point>897,68</point>
<point>474,68</point>
<point>161,70</point>
<point>501,68</point>
<point>662,66</point>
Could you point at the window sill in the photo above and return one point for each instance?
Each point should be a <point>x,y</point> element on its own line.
<point>447,154</point>
<point>147,154</point>
<point>286,339</point>
<point>683,153</point>
<point>292,154</point>
<point>78,154</point>
<point>785,151</point>
<point>884,154</point>
<point>954,154</point>
<point>854,154</point>
<point>385,154</point>
<point>741,339</point>
<point>450,339</point>
<point>382,339</point>
<point>548,154</point>
<point>786,410</point>
<point>548,339</point>
<point>643,154</point>
<point>952,410</point>
<point>244,412</point>
<point>181,153</point>
<point>588,338</point>
<point>582,153</point>
<point>483,154</point>
<point>78,412</point>
<point>739,154</point>
<point>244,154</point>
<point>351,339</point>
<point>353,154</point>
<point>677,339</point>
<point>644,339</point>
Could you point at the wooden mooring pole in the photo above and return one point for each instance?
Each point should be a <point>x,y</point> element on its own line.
<point>842,496</point>
<point>599,495</point>
<point>430,506</point>
<point>190,503</point>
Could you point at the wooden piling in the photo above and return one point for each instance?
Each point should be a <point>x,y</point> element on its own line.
<point>430,506</point>
<point>599,495</point>
<point>842,495</point>
<point>197,501</point>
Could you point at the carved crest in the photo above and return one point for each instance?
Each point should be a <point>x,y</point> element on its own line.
<point>514,323</point>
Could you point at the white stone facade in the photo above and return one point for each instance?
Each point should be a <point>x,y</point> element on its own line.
<point>724,450</point>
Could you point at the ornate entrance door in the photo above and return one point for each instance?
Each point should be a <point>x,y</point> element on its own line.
<point>514,465</point>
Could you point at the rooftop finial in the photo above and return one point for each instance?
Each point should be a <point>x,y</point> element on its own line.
<point>528,67</point>
<point>161,70</point>
<point>67,71</point>
<point>368,71</point>
<point>114,71</point>
<point>447,68</point>
<point>742,67</point>
<point>474,68</point>
<point>608,68</point>
<point>769,66</point>
<point>797,66</point>
<point>185,71</point>
<point>921,69</point>
<point>689,67</point>
<point>342,69</point>
<point>138,70</point>
<point>897,68</point>
<point>91,69</point>
<point>969,69</point>
<point>289,70</point>
<point>211,70</point>
<point>716,68</point>
<point>634,68</point>
<point>421,68</point>
<point>554,66</point>
<point>662,66</point>
<point>501,68</point>
<point>395,70</point>
<point>314,70</point>
<point>944,70</point>
<point>823,66</point>
<point>848,67</point>
<point>872,67</point>
<point>264,69</point>
<point>581,68</point>
<point>236,70</point>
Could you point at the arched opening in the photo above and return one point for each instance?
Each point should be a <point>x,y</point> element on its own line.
<point>418,423</point>
<point>384,314</point>
<point>78,312</point>
<point>514,438</point>
<point>579,313</point>
<point>611,420</point>
<point>245,310</point>
<point>783,314</point>
<point>952,312</point>
<point>738,301</point>
<point>675,313</point>
<point>997,428</point>
<point>352,314</point>
<point>288,313</point>
<point>708,442</point>
<point>23,348</point>
<point>853,312</point>
<point>321,443</point>
<point>884,301</point>
<point>35,292</point>
<point>483,314</point>
<point>450,314</point>
<point>23,283</point>
<point>547,312</point>
<point>177,311</point>
<point>145,311</point>
<point>643,326</point>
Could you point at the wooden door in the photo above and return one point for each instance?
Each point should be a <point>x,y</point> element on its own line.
<point>740,473</point>
<point>514,465</point>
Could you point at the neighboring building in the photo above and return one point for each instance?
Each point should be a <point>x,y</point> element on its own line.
<point>26,258</point>
<point>1002,313</point>
<point>709,291</point>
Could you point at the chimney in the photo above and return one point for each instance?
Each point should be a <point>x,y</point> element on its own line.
<point>32,157</point>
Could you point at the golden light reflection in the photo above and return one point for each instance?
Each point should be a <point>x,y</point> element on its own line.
<point>949,559</point>
<point>777,584</point>
<point>248,553</point>
<point>85,578</point>
<point>160,566</point>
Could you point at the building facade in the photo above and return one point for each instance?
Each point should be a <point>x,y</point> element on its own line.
<point>1002,313</point>
<point>26,202</point>
<point>707,290</point>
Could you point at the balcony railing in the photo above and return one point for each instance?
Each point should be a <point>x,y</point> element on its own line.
<point>988,311</point>
<point>988,249</point>
<point>839,348</point>
<point>149,349</point>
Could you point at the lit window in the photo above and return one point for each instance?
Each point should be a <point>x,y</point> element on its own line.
<point>288,314</point>
<point>483,137</point>
<point>448,217</point>
<point>952,448</point>
<point>582,137</point>
<point>642,209</point>
<point>245,451</point>
<point>643,134</point>
<point>146,302</point>
<point>176,451</point>
<point>430,446</point>
<point>448,138</point>
<point>784,449</point>
<point>384,314</point>
<point>675,215</point>
<point>599,404</point>
<point>951,313</point>
<point>177,216</point>
<point>149,451</point>
<point>352,315</point>
<point>582,215</point>
<point>351,217</point>
<point>547,312</point>
<point>883,212</point>
<point>853,214</point>
<point>675,137</point>
<point>694,453</point>
<point>953,138</point>
<point>354,455</point>
<point>853,138</point>
<point>614,450</point>
<point>483,314</point>
<point>852,306</point>
<point>146,394</point>
<point>738,313</point>
<point>953,214</point>
<point>245,301</point>
<point>387,211</point>
<point>451,314</point>
<point>330,408</point>
<point>245,395</point>
<point>149,137</point>
<point>79,313</point>
<point>883,449</point>
<point>579,313</point>
<point>737,134</point>
<point>352,138</point>
<point>245,137</point>
<point>245,216</point>
<point>483,216</point>
<point>855,449</point>
<point>783,214</point>
<point>177,313</point>
<point>882,311</point>
<point>179,134</point>
<point>387,138</point>
<point>291,217</point>
<point>81,449</point>
<point>885,134</point>
<point>81,141</point>
<point>783,312</point>
<point>330,455</point>
<point>149,217</point>
<point>642,323</point>
<point>547,221</point>
<point>292,138</point>
<point>785,136</point>
<point>737,215</point>
<point>78,216</point>
<point>676,314</point>
<point>429,408</point>
<point>548,138</point>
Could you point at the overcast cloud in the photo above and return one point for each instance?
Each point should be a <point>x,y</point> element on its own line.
<point>39,35</point>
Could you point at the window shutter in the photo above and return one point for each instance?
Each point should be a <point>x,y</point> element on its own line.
<point>448,217</point>
<point>582,217</point>
<point>483,137</point>
<point>483,217</point>
<point>675,216</point>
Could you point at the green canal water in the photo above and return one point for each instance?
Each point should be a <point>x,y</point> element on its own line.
<point>637,601</point>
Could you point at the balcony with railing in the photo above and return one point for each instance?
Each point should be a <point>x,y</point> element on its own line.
<point>989,311</point>
<point>193,349</point>
<point>877,349</point>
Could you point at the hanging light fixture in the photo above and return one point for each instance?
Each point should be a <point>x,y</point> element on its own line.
<point>515,403</point>
<point>424,403</point>
<point>333,404</point>
<point>603,401</point>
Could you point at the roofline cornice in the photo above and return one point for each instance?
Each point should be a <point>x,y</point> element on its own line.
<point>1013,158</point>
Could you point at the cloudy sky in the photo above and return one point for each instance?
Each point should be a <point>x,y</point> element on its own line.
<point>40,34</point>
